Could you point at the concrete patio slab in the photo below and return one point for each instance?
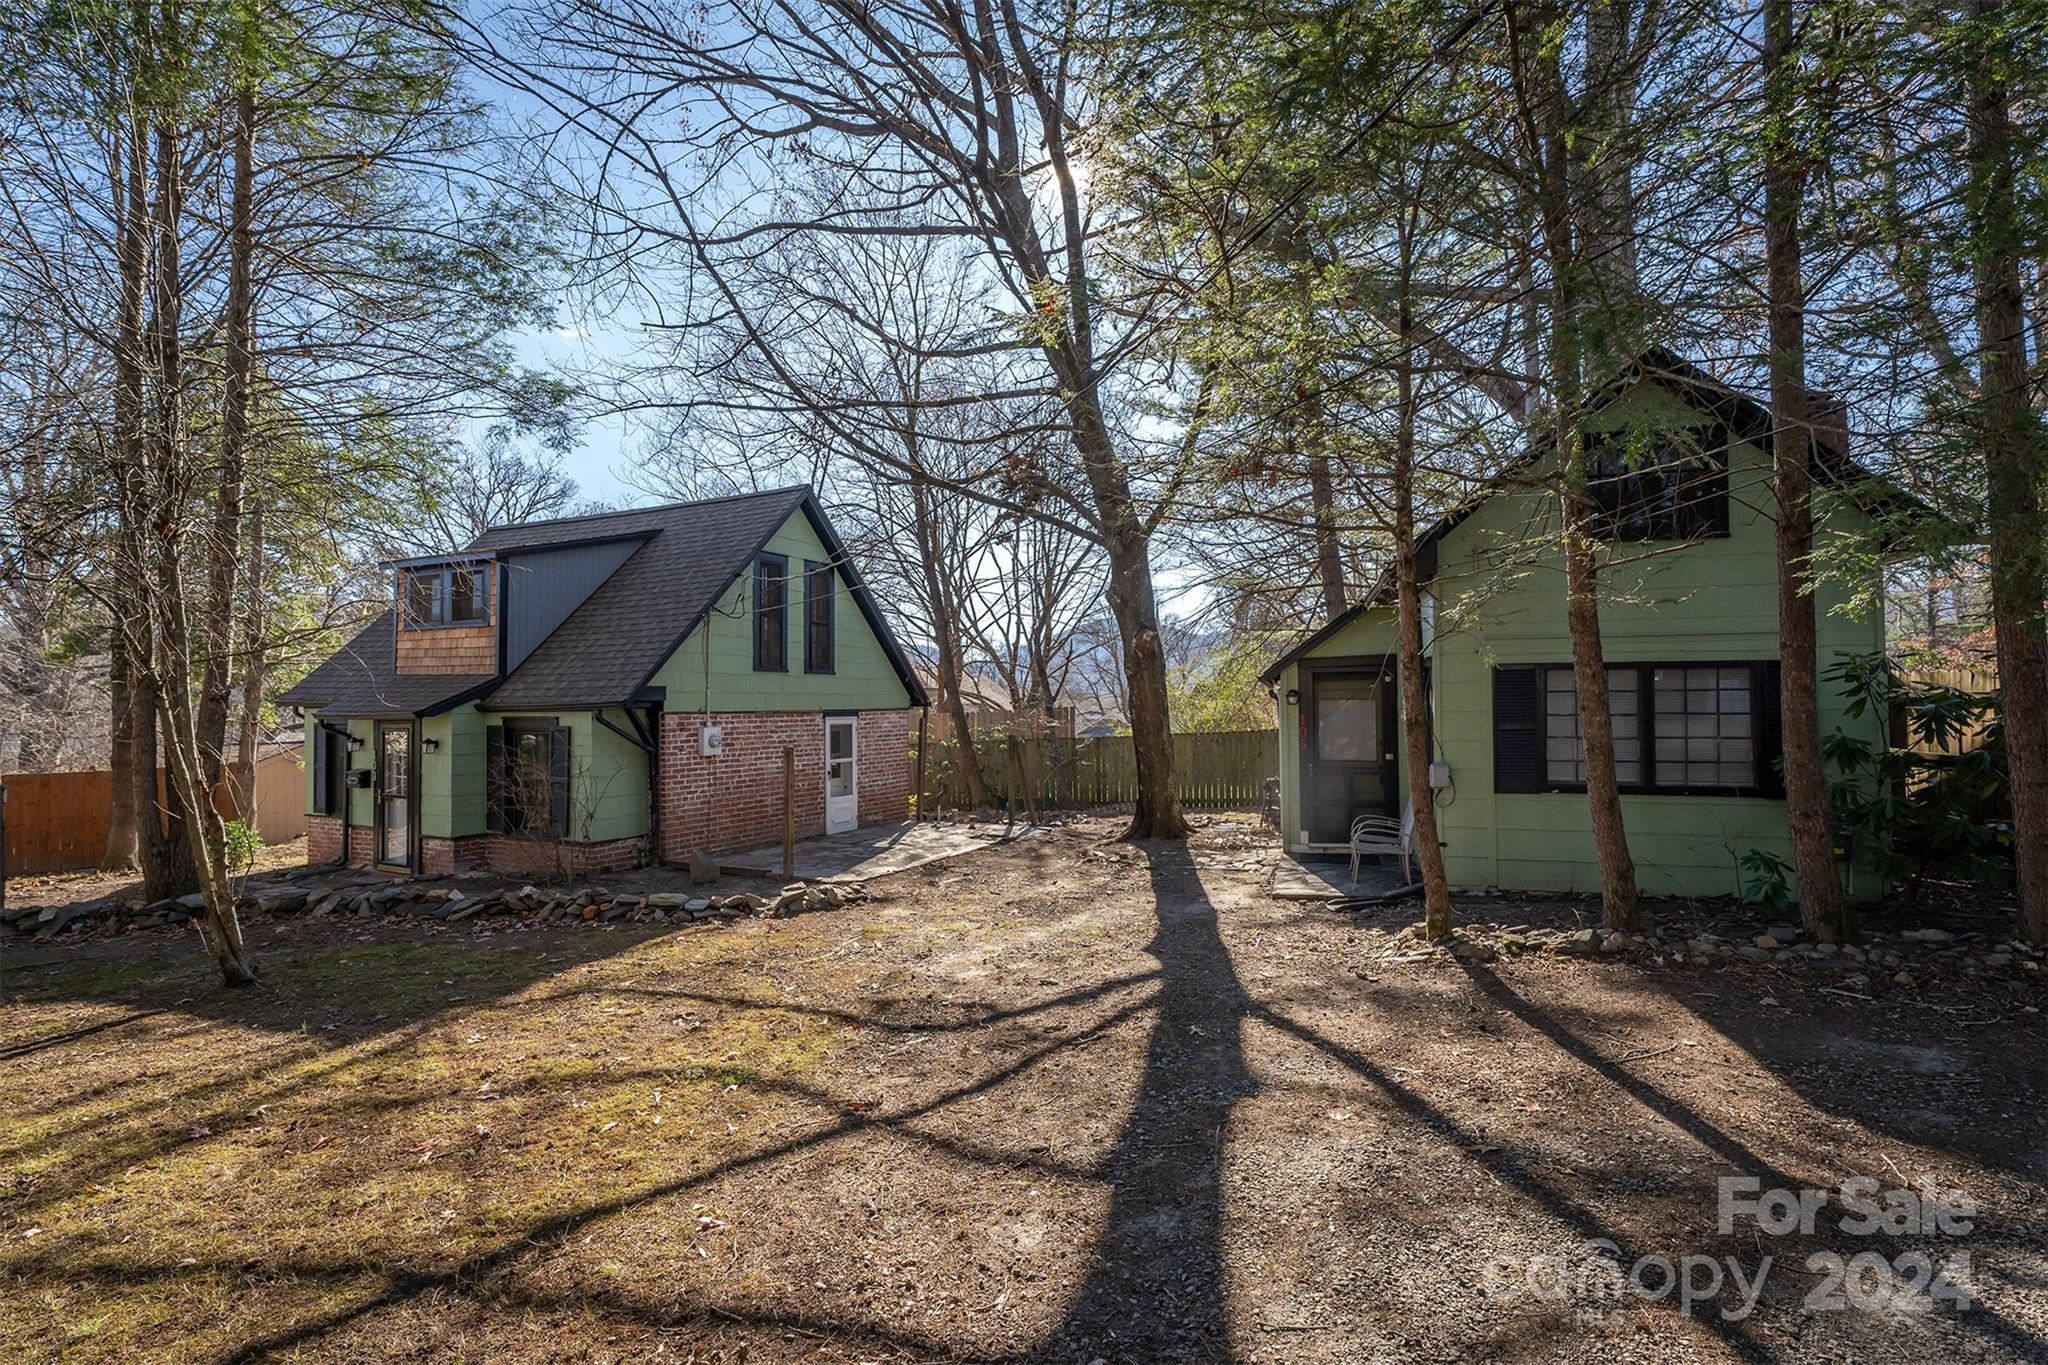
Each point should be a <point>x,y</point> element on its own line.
<point>875,850</point>
<point>1327,877</point>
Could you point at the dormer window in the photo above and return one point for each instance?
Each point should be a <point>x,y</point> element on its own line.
<point>444,595</point>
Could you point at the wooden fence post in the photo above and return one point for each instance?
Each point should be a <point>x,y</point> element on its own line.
<point>1023,780</point>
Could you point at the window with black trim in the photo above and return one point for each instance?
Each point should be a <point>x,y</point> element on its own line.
<point>771,614</point>
<point>818,597</point>
<point>329,749</point>
<point>444,595</point>
<point>1666,484</point>
<point>527,776</point>
<point>1564,748</point>
<point>1703,728</point>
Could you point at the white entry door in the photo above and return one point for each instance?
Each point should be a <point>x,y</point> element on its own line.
<point>842,774</point>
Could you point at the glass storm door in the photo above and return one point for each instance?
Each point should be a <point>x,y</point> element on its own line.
<point>842,776</point>
<point>394,795</point>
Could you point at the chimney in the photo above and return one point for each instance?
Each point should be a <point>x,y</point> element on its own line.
<point>1829,417</point>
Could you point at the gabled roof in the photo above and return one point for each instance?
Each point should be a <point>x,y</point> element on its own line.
<point>1745,418</point>
<point>606,650</point>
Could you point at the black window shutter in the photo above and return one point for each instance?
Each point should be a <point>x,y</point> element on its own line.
<point>321,742</point>
<point>494,779</point>
<point>1517,733</point>
<point>558,781</point>
<point>1769,728</point>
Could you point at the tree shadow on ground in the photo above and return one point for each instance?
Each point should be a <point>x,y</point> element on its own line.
<point>1156,1287</point>
<point>1983,1322</point>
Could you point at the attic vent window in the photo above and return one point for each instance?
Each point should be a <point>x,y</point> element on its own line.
<point>1668,484</point>
<point>444,595</point>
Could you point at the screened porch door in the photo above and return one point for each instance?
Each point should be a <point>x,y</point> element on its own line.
<point>1347,739</point>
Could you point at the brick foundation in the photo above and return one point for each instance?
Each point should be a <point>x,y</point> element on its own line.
<point>541,858</point>
<point>732,802</point>
<point>443,857</point>
<point>495,852</point>
<point>323,838</point>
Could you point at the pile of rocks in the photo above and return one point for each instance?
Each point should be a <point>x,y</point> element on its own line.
<point>115,916</point>
<point>1902,959</point>
<point>528,906</point>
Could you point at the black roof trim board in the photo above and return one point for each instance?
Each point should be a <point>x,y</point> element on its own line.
<point>876,622</point>
<point>1744,416</point>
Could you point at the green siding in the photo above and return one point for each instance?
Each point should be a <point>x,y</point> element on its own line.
<point>607,775</point>
<point>452,775</point>
<point>359,808</point>
<point>862,678</point>
<point>1502,603</point>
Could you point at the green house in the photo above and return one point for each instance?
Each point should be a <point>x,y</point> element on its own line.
<point>604,691</point>
<point>1689,623</point>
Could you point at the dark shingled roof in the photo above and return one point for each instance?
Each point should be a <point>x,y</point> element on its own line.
<point>608,648</point>
<point>361,680</point>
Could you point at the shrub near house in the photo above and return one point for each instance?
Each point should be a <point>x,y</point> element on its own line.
<point>597,692</point>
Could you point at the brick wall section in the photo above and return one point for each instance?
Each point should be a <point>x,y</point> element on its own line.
<point>537,858</point>
<point>323,838</point>
<point>734,802</point>
<point>885,768</point>
<point>362,845</point>
<point>442,857</point>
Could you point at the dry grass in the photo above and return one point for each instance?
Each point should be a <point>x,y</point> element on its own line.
<point>1058,1100</point>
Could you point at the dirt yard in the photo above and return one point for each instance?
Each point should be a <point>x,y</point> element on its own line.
<point>1066,1100</point>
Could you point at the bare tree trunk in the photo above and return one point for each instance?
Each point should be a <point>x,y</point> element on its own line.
<point>946,642</point>
<point>1543,115</point>
<point>2015,459</point>
<point>120,852</point>
<point>1157,814</point>
<point>1329,554</point>
<point>1436,887</point>
<point>124,182</point>
<point>186,760</point>
<point>255,670</point>
<point>1821,903</point>
<point>1047,705</point>
<point>224,551</point>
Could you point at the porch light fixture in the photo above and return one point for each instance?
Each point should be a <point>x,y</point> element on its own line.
<point>430,745</point>
<point>1294,696</point>
<point>355,741</point>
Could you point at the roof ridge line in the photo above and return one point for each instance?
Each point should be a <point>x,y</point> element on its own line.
<point>651,507</point>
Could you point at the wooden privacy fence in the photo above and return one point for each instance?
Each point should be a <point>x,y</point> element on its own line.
<point>1983,681</point>
<point>57,822</point>
<point>1214,769</point>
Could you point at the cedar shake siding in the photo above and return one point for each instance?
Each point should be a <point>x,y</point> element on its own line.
<point>468,650</point>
